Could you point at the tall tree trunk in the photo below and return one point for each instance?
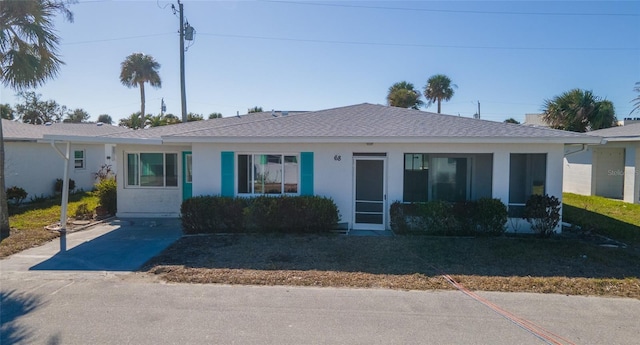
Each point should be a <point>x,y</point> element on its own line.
<point>439,102</point>
<point>4,208</point>
<point>142,101</point>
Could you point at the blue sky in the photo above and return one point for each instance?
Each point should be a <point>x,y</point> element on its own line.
<point>302,55</point>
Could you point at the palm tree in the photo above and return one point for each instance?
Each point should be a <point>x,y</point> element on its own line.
<point>28,58</point>
<point>438,88</point>
<point>138,69</point>
<point>578,111</point>
<point>636,101</point>
<point>135,121</point>
<point>404,95</point>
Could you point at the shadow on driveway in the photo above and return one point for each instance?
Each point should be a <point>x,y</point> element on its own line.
<point>126,248</point>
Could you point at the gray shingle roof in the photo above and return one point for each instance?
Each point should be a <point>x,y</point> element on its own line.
<point>18,131</point>
<point>629,132</point>
<point>376,121</point>
<point>361,122</point>
<point>175,129</point>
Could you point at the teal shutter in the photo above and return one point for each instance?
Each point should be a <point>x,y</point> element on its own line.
<point>227,176</point>
<point>306,173</point>
<point>187,185</point>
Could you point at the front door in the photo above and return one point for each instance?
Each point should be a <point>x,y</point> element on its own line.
<point>369,194</point>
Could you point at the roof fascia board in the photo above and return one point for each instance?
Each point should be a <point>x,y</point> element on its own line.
<point>634,138</point>
<point>99,140</point>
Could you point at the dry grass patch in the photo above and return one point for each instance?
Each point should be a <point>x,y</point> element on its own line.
<point>28,222</point>
<point>564,266</point>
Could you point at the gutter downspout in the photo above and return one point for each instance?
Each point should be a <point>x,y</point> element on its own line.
<point>584,147</point>
<point>65,196</point>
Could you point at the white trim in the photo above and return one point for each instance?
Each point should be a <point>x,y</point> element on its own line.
<point>84,159</point>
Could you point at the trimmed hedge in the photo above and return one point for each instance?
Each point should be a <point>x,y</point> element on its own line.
<point>263,214</point>
<point>484,216</point>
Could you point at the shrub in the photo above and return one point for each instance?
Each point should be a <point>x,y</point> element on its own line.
<point>107,192</point>
<point>57,187</point>
<point>83,212</point>
<point>543,213</point>
<point>16,194</point>
<point>490,216</point>
<point>208,214</point>
<point>104,173</point>
<point>38,199</point>
<point>290,214</point>
<point>403,218</point>
<point>465,214</point>
<point>439,218</point>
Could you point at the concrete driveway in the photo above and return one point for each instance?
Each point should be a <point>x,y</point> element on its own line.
<point>117,245</point>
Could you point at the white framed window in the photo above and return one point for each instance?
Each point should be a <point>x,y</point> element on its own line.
<point>79,159</point>
<point>527,176</point>
<point>452,177</point>
<point>153,169</point>
<point>268,174</point>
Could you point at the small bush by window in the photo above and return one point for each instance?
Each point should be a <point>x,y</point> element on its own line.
<point>16,194</point>
<point>543,213</point>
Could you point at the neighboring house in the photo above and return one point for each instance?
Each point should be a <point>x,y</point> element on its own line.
<point>535,120</point>
<point>363,156</point>
<point>611,170</point>
<point>34,166</point>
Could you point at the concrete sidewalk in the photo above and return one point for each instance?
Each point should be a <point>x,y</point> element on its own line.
<point>117,245</point>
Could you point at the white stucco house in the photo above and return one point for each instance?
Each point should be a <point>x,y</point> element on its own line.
<point>34,165</point>
<point>611,170</point>
<point>363,156</point>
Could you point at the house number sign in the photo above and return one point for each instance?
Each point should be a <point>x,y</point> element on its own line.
<point>337,158</point>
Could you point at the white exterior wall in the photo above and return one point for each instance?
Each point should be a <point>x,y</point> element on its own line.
<point>631,173</point>
<point>134,201</point>
<point>35,166</point>
<point>334,178</point>
<point>578,172</point>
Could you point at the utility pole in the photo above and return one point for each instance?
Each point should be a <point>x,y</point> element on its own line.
<point>183,92</point>
<point>477,115</point>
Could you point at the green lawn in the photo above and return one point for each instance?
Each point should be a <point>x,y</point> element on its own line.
<point>28,221</point>
<point>611,218</point>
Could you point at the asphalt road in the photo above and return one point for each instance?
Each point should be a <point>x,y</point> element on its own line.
<point>107,308</point>
<point>87,295</point>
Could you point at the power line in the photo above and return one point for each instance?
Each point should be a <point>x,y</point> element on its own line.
<point>454,11</point>
<point>415,45</point>
<point>117,39</point>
